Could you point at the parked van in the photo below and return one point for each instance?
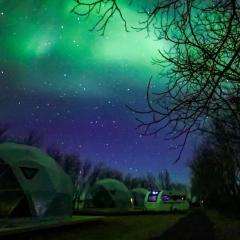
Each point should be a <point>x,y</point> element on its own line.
<point>166,201</point>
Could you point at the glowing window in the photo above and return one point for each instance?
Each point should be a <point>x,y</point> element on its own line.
<point>165,198</point>
<point>152,197</point>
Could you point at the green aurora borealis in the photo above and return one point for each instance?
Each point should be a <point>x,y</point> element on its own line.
<point>72,85</point>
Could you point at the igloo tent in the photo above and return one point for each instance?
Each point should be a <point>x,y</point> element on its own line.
<point>109,193</point>
<point>138,195</point>
<point>32,184</point>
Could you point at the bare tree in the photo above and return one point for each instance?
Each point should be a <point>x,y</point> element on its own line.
<point>216,167</point>
<point>107,172</point>
<point>105,9</point>
<point>157,183</point>
<point>148,182</point>
<point>164,180</point>
<point>55,153</point>
<point>33,138</point>
<point>152,183</point>
<point>3,132</point>
<point>200,64</point>
<point>82,172</point>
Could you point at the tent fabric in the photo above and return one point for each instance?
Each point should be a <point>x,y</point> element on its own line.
<point>138,195</point>
<point>35,181</point>
<point>110,193</point>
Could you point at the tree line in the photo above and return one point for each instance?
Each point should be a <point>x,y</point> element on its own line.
<point>215,166</point>
<point>84,173</point>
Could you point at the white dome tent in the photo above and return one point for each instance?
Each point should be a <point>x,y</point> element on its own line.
<point>138,195</point>
<point>32,184</point>
<point>109,193</point>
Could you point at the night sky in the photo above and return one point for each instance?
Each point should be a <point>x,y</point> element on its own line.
<point>72,85</point>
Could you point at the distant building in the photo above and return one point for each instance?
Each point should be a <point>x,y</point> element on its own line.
<point>166,200</point>
<point>32,184</point>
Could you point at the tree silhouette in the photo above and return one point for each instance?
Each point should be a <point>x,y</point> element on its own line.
<point>107,172</point>
<point>215,168</point>
<point>33,138</point>
<point>200,64</point>
<point>164,180</point>
<point>82,172</point>
<point>3,132</point>
<point>110,8</point>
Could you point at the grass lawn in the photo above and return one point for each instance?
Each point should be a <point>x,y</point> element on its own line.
<point>198,224</point>
<point>10,226</point>
<point>113,227</point>
<point>224,227</point>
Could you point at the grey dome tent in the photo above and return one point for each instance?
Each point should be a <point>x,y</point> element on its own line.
<point>109,193</point>
<point>32,184</point>
<point>138,195</point>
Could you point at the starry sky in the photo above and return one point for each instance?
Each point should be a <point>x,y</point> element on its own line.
<point>72,85</point>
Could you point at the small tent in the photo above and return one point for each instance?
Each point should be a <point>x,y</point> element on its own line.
<point>138,195</point>
<point>32,184</point>
<point>109,193</point>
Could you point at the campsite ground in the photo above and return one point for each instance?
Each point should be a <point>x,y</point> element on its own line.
<point>198,224</point>
<point>225,227</point>
<point>111,228</point>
